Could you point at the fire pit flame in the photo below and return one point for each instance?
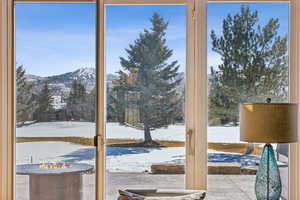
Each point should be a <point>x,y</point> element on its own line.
<point>55,166</point>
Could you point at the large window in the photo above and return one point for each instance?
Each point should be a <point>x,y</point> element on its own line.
<point>248,45</point>
<point>152,97</point>
<point>55,101</point>
<point>145,89</point>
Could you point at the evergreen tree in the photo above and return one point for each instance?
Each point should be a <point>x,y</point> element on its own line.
<point>91,106</point>
<point>147,81</point>
<point>116,97</point>
<point>77,102</point>
<point>45,111</point>
<point>254,65</point>
<point>25,105</point>
<point>111,109</point>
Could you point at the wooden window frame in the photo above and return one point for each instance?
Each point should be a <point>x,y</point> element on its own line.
<point>195,164</point>
<point>196,74</point>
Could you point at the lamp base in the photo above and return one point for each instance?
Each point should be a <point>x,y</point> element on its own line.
<point>268,182</point>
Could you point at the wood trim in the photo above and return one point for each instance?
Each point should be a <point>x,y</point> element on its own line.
<point>3,100</point>
<point>145,2</point>
<point>6,100</point>
<point>100,117</point>
<point>294,75</point>
<point>201,98</point>
<point>189,102</point>
<point>110,2</point>
<point>249,1</point>
<point>196,124</point>
<point>55,1</point>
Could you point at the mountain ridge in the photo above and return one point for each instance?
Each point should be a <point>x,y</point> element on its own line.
<point>60,85</point>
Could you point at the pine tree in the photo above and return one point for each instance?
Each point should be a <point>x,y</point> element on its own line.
<point>45,111</point>
<point>77,102</point>
<point>116,97</point>
<point>25,105</point>
<point>254,65</point>
<point>91,106</point>
<point>147,82</point>
<point>111,109</point>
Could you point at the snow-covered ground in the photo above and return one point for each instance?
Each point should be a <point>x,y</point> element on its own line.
<point>114,130</point>
<point>38,152</point>
<point>125,159</point>
<point>118,159</point>
<point>142,161</point>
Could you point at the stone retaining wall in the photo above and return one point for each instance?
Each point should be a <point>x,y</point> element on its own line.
<point>213,168</point>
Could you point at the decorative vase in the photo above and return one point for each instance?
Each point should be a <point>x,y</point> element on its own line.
<point>268,182</point>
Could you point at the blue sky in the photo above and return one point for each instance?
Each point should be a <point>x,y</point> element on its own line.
<point>57,38</point>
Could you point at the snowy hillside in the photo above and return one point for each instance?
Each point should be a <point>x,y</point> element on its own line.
<point>61,84</point>
<point>86,75</point>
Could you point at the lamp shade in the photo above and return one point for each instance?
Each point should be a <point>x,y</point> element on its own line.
<point>268,122</point>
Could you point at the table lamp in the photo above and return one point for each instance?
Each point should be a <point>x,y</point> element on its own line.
<point>268,123</point>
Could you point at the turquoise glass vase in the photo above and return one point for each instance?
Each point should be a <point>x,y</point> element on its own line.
<point>268,182</point>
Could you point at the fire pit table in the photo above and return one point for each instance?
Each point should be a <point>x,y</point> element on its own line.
<point>54,181</point>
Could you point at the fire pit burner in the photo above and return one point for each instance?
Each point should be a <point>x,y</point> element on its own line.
<point>57,183</point>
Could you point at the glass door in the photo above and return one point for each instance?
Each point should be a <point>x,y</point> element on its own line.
<point>55,84</point>
<point>248,50</point>
<point>145,95</point>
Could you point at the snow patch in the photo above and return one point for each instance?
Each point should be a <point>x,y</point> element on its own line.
<point>115,130</point>
<point>119,159</point>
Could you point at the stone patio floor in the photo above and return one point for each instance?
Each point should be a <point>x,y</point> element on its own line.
<point>220,187</point>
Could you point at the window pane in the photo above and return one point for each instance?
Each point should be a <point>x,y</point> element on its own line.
<point>55,101</point>
<point>145,65</point>
<point>247,62</point>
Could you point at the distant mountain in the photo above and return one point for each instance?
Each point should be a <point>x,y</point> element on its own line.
<point>64,81</point>
<point>86,75</point>
<point>60,85</point>
<point>34,78</point>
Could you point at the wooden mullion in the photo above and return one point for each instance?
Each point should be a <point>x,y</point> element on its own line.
<point>190,96</point>
<point>294,97</point>
<point>201,101</point>
<point>100,116</point>
<point>6,99</point>
<point>110,2</point>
